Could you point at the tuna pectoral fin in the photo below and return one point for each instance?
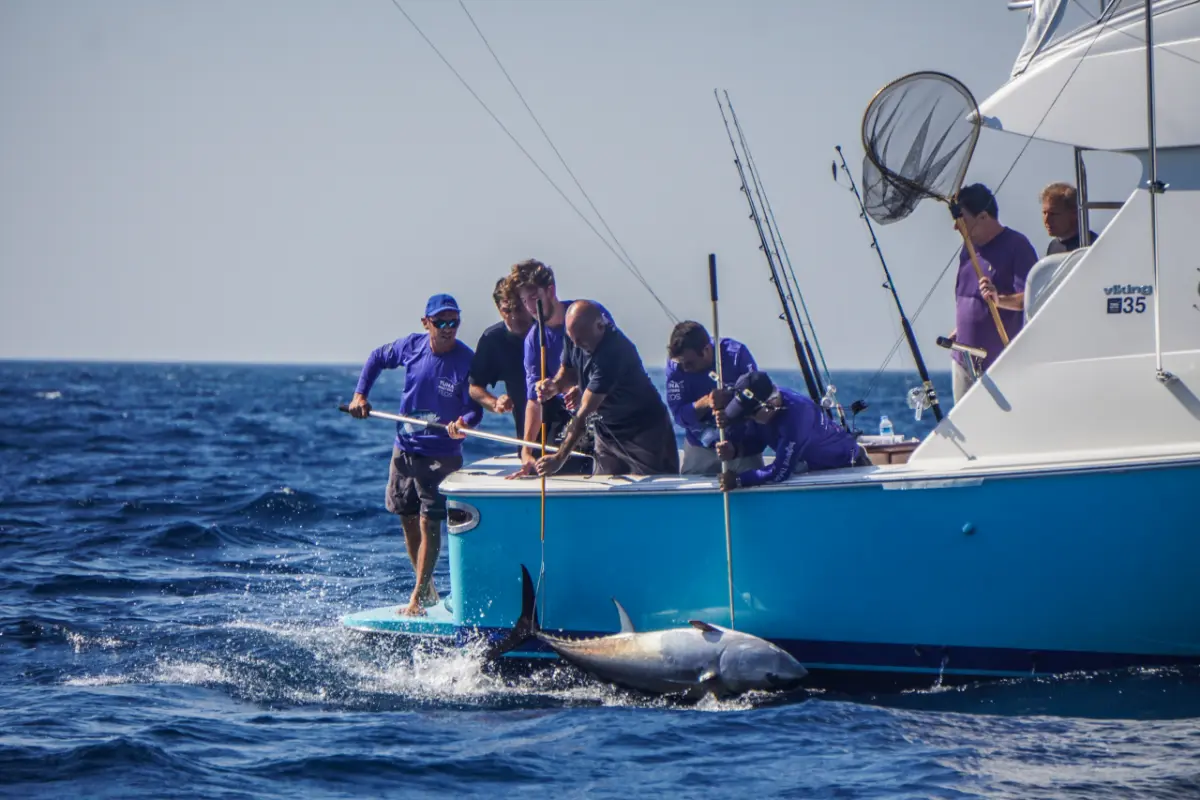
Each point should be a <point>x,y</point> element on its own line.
<point>626,622</point>
<point>703,626</point>
<point>709,676</point>
<point>527,623</point>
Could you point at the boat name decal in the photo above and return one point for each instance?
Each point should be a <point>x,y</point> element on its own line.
<point>1127,298</point>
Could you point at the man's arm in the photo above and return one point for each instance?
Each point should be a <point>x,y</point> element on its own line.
<point>685,412</point>
<point>1008,302</point>
<point>388,356</point>
<point>779,470</point>
<point>483,373</point>
<point>589,405</point>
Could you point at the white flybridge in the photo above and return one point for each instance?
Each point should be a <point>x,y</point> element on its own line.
<point>1080,384</point>
<point>1049,524</point>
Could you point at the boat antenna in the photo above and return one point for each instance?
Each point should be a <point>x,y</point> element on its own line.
<point>810,380</point>
<point>928,397</point>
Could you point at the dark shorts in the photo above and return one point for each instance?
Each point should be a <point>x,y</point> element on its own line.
<point>653,451</point>
<point>413,482</point>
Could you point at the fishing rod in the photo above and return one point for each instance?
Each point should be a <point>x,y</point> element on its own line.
<point>930,394</point>
<point>491,437</point>
<point>827,390</point>
<point>809,379</point>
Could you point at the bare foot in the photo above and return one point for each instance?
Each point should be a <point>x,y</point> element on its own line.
<point>413,609</point>
<point>430,598</point>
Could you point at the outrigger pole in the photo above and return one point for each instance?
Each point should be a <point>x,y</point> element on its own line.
<point>930,392</point>
<point>712,284</point>
<point>810,380</point>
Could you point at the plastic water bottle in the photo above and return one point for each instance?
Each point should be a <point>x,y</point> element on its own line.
<point>885,427</point>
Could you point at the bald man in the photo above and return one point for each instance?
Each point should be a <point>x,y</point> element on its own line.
<point>633,429</point>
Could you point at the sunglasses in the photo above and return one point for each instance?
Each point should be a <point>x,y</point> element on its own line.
<point>443,324</point>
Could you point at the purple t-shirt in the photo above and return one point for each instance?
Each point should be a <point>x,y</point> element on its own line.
<point>435,388</point>
<point>801,431</point>
<point>1007,260</point>
<point>685,388</point>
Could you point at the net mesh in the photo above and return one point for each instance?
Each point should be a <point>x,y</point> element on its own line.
<point>918,134</point>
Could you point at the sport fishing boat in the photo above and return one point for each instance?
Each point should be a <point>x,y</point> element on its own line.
<point>1048,524</point>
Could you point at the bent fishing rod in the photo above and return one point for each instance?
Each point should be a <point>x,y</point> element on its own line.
<point>491,437</point>
<point>810,381</point>
<point>930,392</point>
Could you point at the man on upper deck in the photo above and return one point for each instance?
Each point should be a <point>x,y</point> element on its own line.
<point>693,397</point>
<point>802,435</point>
<point>1060,215</point>
<point>633,430</point>
<point>1005,256</point>
<point>436,366</point>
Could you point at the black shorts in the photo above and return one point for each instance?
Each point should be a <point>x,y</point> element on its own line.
<point>653,451</point>
<point>413,482</point>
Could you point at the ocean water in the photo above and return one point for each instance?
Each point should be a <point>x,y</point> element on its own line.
<point>178,542</point>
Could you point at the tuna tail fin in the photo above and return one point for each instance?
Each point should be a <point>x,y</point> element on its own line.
<point>526,625</point>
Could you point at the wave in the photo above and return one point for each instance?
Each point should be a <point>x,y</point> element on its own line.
<point>27,764</point>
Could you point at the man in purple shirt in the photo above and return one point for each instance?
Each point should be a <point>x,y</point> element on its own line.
<point>692,398</point>
<point>535,281</point>
<point>802,435</point>
<point>436,388</point>
<point>1005,257</point>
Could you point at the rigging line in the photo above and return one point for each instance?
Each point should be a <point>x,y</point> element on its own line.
<point>1028,140</point>
<point>782,245</point>
<point>532,160</point>
<point>550,142</point>
<point>1139,39</point>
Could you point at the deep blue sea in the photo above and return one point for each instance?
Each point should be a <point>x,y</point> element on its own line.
<point>178,542</point>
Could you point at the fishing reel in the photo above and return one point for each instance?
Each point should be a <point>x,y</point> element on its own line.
<point>918,401</point>
<point>829,401</point>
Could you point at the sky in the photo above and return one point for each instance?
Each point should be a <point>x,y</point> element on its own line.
<point>289,180</point>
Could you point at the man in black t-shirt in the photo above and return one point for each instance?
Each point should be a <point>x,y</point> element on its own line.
<point>499,356</point>
<point>633,429</point>
<point>1060,215</point>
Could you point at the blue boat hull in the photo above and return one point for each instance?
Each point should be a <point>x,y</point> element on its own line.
<point>890,583</point>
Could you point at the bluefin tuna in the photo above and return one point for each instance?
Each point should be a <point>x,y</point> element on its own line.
<point>695,660</point>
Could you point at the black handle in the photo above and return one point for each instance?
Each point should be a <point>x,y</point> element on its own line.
<point>344,407</point>
<point>712,275</point>
<point>942,341</point>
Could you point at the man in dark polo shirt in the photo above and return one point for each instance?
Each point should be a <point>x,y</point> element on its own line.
<point>499,356</point>
<point>633,430</point>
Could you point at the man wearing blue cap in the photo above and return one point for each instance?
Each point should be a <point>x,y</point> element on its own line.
<point>436,387</point>
<point>802,435</point>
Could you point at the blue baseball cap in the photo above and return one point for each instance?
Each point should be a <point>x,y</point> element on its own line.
<point>750,393</point>
<point>439,303</point>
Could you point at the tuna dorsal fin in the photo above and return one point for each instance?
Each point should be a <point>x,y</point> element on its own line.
<point>703,626</point>
<point>626,622</point>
